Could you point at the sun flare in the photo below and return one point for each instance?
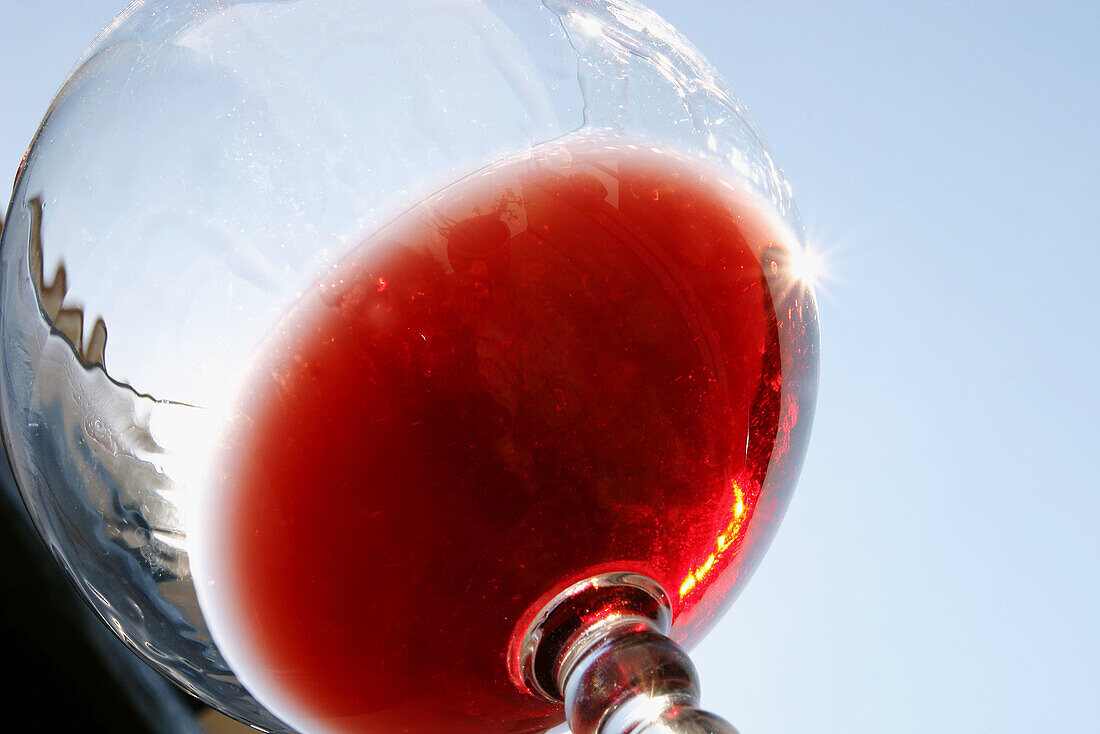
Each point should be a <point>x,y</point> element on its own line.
<point>808,266</point>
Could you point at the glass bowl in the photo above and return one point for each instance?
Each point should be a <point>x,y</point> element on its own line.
<point>208,164</point>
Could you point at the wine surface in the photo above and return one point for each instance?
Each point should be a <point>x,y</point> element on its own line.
<point>564,365</point>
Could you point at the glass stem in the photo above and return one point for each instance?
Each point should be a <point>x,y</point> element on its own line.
<point>602,648</point>
<point>634,680</point>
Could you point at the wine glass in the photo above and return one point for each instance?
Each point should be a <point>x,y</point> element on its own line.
<point>424,366</point>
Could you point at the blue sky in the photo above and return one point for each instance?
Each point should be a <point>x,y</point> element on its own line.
<point>937,570</point>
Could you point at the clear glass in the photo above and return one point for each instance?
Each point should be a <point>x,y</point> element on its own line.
<point>210,161</point>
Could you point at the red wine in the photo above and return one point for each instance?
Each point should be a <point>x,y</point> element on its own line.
<point>565,365</point>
